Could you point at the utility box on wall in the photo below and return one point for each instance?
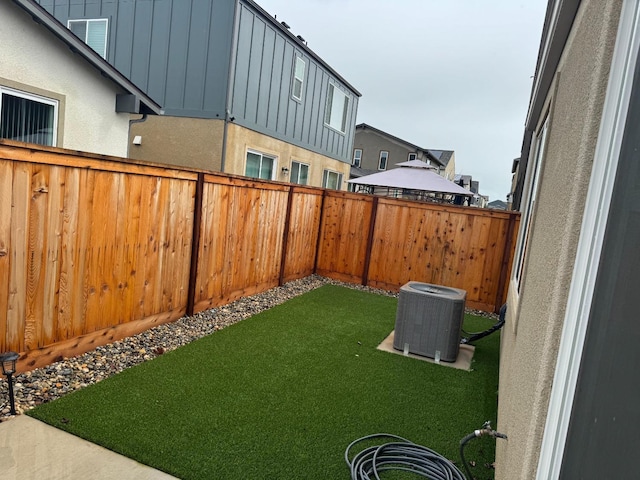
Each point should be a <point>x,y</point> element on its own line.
<point>429,320</point>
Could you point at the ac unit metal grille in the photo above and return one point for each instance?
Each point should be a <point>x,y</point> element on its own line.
<point>429,319</point>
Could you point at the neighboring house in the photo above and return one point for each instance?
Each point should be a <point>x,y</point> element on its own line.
<point>56,91</point>
<point>569,390</point>
<point>467,182</point>
<point>497,205</point>
<point>375,150</point>
<point>242,93</point>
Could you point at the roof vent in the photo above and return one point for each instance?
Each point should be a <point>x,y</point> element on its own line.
<point>285,25</point>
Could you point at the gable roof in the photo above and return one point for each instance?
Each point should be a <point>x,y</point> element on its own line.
<point>441,157</point>
<point>138,99</point>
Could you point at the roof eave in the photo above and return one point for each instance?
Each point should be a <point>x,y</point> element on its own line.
<point>41,16</point>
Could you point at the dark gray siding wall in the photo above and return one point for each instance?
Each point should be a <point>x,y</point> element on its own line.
<point>176,50</point>
<point>262,78</point>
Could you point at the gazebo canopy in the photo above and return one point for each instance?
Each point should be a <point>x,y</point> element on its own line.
<point>412,175</point>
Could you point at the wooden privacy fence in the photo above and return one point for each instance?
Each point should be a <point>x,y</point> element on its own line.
<point>93,249</point>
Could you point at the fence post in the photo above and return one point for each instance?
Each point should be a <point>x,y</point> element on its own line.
<point>321,220</point>
<point>285,236</point>
<point>367,257</point>
<point>195,244</point>
<point>504,269</point>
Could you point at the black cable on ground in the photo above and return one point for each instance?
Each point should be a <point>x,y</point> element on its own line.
<point>399,454</point>
<point>472,337</point>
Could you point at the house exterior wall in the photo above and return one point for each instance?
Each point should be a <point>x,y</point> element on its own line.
<point>176,51</point>
<point>241,139</point>
<point>32,61</point>
<point>372,144</point>
<point>184,141</point>
<point>186,54</point>
<point>535,313</point>
<point>262,100</point>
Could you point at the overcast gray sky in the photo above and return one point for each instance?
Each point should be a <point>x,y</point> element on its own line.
<point>442,74</point>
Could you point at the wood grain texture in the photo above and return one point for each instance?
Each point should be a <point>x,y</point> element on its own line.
<point>92,249</point>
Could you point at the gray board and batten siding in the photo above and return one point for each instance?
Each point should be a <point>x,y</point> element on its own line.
<point>184,53</point>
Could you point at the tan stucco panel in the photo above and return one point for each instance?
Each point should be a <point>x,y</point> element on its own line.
<point>531,335</point>
<point>240,140</point>
<point>181,141</point>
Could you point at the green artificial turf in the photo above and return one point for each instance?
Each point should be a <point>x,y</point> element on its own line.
<point>281,395</point>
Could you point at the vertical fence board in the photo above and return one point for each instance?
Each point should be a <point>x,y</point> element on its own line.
<point>98,248</point>
<point>6,194</point>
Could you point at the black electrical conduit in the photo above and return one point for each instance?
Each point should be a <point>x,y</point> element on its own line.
<point>472,337</point>
<point>401,454</point>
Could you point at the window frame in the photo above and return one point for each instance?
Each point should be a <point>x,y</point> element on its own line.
<point>325,179</point>
<point>385,154</point>
<point>534,168</point>
<point>85,40</point>
<point>297,181</point>
<point>415,156</point>
<point>39,99</point>
<point>332,88</point>
<point>262,155</point>
<point>356,161</point>
<point>296,59</point>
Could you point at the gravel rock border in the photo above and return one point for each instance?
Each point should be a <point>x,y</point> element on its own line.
<point>58,379</point>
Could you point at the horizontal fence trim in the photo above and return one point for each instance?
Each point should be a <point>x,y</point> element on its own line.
<point>245,183</point>
<point>84,343</point>
<point>91,245</point>
<point>36,156</point>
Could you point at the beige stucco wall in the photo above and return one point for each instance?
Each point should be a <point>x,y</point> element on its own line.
<point>181,141</point>
<point>531,335</point>
<point>33,60</point>
<point>240,139</point>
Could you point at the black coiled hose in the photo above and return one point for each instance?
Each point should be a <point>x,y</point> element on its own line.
<point>399,454</point>
<point>402,454</point>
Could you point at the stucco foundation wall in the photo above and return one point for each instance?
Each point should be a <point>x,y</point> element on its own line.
<point>240,139</point>
<point>535,316</point>
<point>182,141</point>
<point>33,60</point>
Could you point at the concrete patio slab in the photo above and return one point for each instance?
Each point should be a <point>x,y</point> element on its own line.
<point>33,450</point>
<point>463,362</point>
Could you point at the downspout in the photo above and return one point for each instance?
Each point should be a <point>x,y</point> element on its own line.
<point>232,64</point>
<point>143,118</point>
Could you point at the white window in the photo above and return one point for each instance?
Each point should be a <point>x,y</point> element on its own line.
<point>412,156</point>
<point>299,173</point>
<point>93,32</point>
<point>260,166</point>
<point>357,157</point>
<point>298,78</point>
<point>335,115</point>
<point>531,193</point>
<point>384,156</point>
<point>331,179</point>
<point>28,118</point>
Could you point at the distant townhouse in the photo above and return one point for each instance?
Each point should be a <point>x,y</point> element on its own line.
<point>375,150</point>
<point>241,93</point>
<point>56,91</point>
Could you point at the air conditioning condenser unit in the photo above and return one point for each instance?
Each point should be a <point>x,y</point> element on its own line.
<point>429,320</point>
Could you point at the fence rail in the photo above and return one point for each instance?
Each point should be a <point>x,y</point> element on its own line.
<point>93,248</point>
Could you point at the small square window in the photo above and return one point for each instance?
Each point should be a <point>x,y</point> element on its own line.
<point>412,156</point>
<point>299,173</point>
<point>331,179</point>
<point>93,32</point>
<point>260,166</point>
